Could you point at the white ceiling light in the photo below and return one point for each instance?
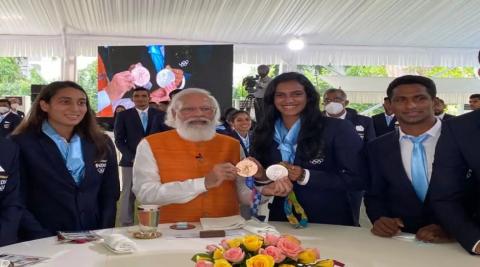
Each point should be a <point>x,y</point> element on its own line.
<point>296,44</point>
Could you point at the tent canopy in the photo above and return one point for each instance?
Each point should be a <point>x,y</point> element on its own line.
<point>346,32</point>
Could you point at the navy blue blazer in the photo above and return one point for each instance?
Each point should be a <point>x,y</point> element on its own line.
<point>362,124</point>
<point>128,131</point>
<point>447,116</point>
<point>235,135</point>
<point>390,192</point>
<point>380,124</point>
<point>10,207</point>
<point>9,123</point>
<point>333,192</point>
<point>455,183</point>
<point>53,200</point>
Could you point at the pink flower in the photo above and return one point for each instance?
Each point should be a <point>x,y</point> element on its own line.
<point>204,263</point>
<point>224,244</point>
<point>290,247</point>
<point>234,255</point>
<point>276,253</point>
<point>270,240</point>
<point>211,248</point>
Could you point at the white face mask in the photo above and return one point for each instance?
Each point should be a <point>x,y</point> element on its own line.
<point>4,110</point>
<point>334,108</point>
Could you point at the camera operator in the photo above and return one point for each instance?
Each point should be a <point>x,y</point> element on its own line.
<point>260,87</point>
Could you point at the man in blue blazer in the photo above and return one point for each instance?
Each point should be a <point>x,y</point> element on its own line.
<point>131,126</point>
<point>455,186</point>
<point>8,120</point>
<point>400,164</point>
<point>10,208</point>
<point>384,122</point>
<point>336,102</point>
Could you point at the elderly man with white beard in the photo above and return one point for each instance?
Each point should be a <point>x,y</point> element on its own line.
<point>190,171</point>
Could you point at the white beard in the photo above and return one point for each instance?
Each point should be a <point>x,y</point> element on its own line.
<point>195,132</point>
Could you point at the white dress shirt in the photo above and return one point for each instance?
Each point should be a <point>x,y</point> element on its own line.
<point>139,111</point>
<point>429,144</point>
<point>149,189</point>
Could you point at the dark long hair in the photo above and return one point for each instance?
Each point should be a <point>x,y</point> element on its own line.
<point>310,136</point>
<point>87,128</point>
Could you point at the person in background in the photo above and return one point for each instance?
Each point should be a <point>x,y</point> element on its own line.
<point>225,127</point>
<point>131,126</point>
<point>401,164</point>
<point>322,155</point>
<point>384,122</point>
<point>209,186</point>
<point>474,101</point>
<point>336,102</point>
<point>241,124</point>
<point>163,105</point>
<point>455,191</point>
<point>439,110</point>
<point>8,120</point>
<point>260,87</point>
<point>10,208</point>
<point>14,107</point>
<point>69,171</point>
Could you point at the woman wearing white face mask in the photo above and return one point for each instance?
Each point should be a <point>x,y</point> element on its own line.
<point>8,120</point>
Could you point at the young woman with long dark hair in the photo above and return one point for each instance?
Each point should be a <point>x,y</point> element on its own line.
<point>322,156</point>
<point>69,174</point>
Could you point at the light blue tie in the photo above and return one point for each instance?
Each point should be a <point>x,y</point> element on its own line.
<point>419,166</point>
<point>144,119</point>
<point>389,119</point>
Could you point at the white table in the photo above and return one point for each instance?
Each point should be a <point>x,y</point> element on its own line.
<point>353,246</point>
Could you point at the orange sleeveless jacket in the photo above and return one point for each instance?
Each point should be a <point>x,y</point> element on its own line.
<point>180,160</point>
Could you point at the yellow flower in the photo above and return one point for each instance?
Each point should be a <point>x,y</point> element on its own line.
<point>252,242</point>
<point>325,263</point>
<point>309,255</point>
<point>218,254</point>
<point>286,265</point>
<point>260,260</point>
<point>234,243</point>
<point>222,263</point>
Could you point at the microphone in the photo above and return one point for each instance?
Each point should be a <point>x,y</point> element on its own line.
<point>199,156</point>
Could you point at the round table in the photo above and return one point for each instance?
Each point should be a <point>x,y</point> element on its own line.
<point>353,246</point>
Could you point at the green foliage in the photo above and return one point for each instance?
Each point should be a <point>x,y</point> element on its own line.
<point>87,78</point>
<point>12,81</point>
<point>366,71</point>
<point>312,72</point>
<point>443,72</point>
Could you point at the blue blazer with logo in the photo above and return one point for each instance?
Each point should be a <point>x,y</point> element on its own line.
<point>10,207</point>
<point>9,123</point>
<point>53,200</point>
<point>128,131</point>
<point>333,192</point>
<point>363,125</point>
<point>390,192</point>
<point>455,184</point>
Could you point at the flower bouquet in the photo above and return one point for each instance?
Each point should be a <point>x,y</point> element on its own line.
<point>257,251</point>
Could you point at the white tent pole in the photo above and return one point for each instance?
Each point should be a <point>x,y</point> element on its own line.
<point>68,61</point>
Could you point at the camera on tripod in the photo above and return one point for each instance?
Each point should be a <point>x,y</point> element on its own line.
<point>249,83</point>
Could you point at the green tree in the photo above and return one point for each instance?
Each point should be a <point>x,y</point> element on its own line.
<point>12,80</point>
<point>87,78</point>
<point>366,71</point>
